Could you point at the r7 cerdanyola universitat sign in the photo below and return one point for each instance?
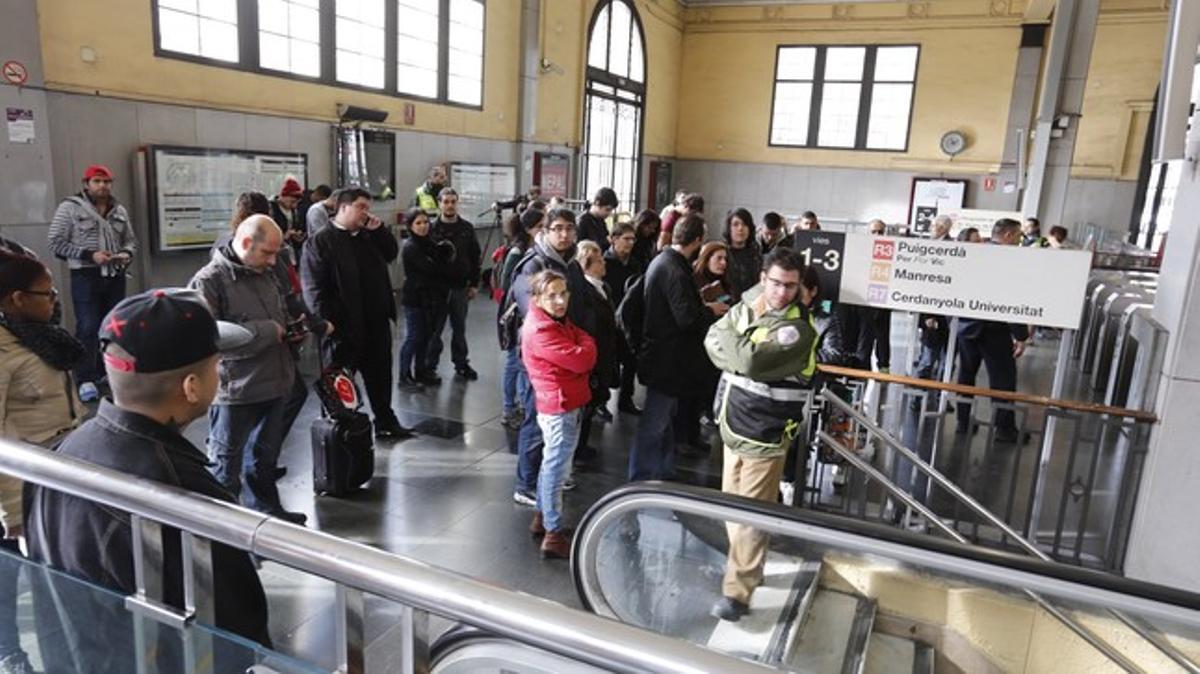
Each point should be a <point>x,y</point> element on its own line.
<point>1036,286</point>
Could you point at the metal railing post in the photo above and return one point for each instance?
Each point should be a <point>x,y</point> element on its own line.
<point>1060,375</point>
<point>349,630</point>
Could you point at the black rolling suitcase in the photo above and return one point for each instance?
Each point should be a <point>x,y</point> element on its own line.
<point>343,450</point>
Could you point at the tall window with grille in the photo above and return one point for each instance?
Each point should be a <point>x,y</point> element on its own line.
<point>289,36</point>
<point>851,97</point>
<point>614,102</point>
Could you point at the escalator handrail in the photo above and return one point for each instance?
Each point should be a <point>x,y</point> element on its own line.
<point>761,513</point>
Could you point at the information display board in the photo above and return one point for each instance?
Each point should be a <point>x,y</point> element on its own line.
<point>481,185</point>
<point>192,189</point>
<point>552,172</point>
<point>930,198</point>
<point>969,280</point>
<point>824,251</point>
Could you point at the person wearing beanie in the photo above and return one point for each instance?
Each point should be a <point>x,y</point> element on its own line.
<point>92,232</point>
<point>288,210</point>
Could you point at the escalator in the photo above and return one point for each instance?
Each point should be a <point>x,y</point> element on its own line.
<point>841,595</point>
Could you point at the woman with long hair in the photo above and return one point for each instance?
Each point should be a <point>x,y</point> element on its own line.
<point>426,286</point>
<point>744,257</point>
<point>37,405</point>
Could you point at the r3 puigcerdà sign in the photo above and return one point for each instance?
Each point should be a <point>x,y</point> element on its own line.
<point>1036,286</point>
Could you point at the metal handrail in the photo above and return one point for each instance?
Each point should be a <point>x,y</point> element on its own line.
<point>1009,396</point>
<point>524,618</point>
<point>1146,632</point>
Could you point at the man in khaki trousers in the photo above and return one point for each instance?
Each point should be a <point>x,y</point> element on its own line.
<point>765,347</point>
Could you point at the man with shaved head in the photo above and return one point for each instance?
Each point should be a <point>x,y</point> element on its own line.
<point>247,416</point>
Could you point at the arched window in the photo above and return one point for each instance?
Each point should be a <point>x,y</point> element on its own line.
<point>614,102</point>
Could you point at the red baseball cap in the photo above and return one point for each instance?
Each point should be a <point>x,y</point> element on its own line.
<point>97,171</point>
<point>291,188</point>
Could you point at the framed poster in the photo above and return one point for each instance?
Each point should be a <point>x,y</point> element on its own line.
<point>551,172</point>
<point>931,197</point>
<point>660,185</point>
<point>192,189</point>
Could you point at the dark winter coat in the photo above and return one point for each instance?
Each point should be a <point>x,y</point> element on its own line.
<point>676,321</point>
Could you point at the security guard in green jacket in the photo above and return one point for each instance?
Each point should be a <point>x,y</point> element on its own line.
<point>425,197</point>
<point>765,347</point>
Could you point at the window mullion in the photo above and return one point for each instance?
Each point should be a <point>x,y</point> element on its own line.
<point>390,45</point>
<point>444,51</point>
<point>247,13</point>
<point>328,36</point>
<point>818,91</point>
<point>864,99</point>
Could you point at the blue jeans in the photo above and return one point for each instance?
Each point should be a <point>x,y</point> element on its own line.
<point>417,326</point>
<point>561,432</point>
<point>653,453</point>
<point>292,406</point>
<point>928,366</point>
<point>529,438</point>
<point>257,427</point>
<point>456,313</point>
<point>510,381</point>
<point>92,296</point>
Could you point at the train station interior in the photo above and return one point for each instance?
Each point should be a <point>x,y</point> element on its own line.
<point>986,213</point>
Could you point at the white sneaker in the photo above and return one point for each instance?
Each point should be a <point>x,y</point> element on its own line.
<point>787,492</point>
<point>88,392</point>
<point>524,498</point>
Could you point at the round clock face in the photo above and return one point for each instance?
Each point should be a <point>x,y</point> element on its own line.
<point>953,143</point>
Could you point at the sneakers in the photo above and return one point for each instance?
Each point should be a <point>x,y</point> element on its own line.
<point>428,377</point>
<point>466,373</point>
<point>524,498</point>
<point>536,528</point>
<point>628,407</point>
<point>787,492</point>
<point>569,483</point>
<point>729,609</point>
<point>410,383</point>
<point>603,415</point>
<point>16,663</point>
<point>557,544</point>
<point>88,393</point>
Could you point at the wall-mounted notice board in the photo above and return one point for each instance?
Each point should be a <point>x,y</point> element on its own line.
<point>192,189</point>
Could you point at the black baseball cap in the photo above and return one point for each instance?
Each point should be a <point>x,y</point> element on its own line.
<point>165,329</point>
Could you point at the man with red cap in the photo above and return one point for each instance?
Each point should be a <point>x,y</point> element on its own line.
<point>287,210</point>
<point>92,232</point>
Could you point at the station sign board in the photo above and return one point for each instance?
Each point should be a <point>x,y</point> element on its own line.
<point>1035,286</point>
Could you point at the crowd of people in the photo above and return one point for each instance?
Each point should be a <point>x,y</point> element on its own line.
<point>724,334</point>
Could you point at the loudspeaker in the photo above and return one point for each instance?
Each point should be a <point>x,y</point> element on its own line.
<point>354,113</point>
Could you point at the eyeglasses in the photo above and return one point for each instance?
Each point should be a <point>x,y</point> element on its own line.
<point>51,293</point>
<point>627,238</point>
<point>562,228</point>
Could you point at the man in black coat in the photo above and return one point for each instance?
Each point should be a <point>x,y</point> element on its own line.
<point>160,350</point>
<point>672,348</point>
<point>994,344</point>
<point>464,285</point>
<point>345,278</point>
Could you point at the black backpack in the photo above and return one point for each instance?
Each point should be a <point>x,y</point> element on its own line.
<point>508,316</point>
<point>631,314</point>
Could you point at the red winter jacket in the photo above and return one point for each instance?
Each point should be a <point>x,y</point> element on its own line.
<point>558,357</point>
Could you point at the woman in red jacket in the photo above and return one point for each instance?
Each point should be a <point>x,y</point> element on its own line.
<point>559,358</point>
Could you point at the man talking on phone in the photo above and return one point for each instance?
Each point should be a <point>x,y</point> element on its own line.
<point>92,232</point>
<point>344,273</point>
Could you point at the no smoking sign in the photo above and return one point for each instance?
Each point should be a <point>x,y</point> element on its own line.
<point>15,72</point>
